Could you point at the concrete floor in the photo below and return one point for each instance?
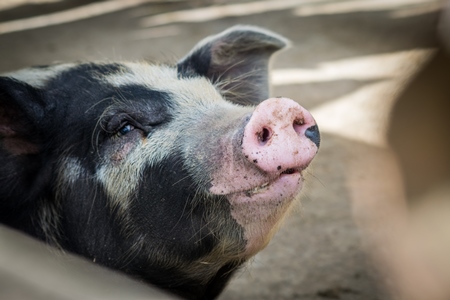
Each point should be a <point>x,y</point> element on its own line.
<point>348,63</point>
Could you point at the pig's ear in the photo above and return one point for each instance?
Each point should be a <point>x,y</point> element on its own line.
<point>237,61</point>
<point>21,116</point>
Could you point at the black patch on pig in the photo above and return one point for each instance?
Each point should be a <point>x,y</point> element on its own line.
<point>89,226</point>
<point>79,107</point>
<point>138,105</point>
<point>176,219</point>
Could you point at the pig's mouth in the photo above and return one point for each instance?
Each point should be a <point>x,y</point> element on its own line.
<point>265,186</point>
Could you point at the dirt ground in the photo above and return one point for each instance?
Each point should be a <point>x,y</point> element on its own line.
<point>348,63</point>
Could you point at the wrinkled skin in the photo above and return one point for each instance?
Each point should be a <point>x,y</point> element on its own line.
<point>173,174</point>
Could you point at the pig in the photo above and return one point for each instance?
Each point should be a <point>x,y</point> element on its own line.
<point>173,174</point>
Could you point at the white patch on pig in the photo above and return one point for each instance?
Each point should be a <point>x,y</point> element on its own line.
<point>70,170</point>
<point>49,219</point>
<point>196,92</point>
<point>120,179</point>
<point>39,77</point>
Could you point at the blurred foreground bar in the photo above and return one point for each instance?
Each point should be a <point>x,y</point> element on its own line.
<point>420,128</point>
<point>32,270</point>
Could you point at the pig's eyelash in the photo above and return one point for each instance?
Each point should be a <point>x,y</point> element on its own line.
<point>100,123</point>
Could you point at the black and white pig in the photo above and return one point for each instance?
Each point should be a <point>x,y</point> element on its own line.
<point>174,174</point>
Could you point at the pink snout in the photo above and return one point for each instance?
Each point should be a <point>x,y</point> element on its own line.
<point>281,136</point>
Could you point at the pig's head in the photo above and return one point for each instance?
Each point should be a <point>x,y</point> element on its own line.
<point>173,174</point>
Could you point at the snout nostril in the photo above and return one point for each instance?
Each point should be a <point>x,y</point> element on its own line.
<point>298,124</point>
<point>313,134</point>
<point>264,135</point>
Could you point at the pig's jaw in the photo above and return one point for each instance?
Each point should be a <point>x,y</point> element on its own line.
<point>261,209</point>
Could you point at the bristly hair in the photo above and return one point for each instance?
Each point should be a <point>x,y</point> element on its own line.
<point>230,87</point>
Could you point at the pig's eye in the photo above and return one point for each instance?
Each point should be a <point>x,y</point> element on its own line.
<point>124,130</point>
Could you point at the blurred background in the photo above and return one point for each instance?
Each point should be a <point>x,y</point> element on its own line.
<point>374,222</point>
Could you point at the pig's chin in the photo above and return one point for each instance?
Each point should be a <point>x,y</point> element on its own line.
<point>288,181</point>
<point>261,209</point>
